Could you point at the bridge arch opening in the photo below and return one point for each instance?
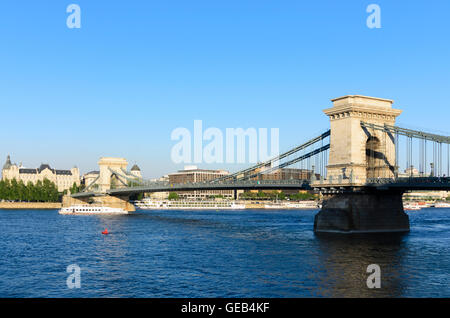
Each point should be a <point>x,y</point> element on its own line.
<point>373,157</point>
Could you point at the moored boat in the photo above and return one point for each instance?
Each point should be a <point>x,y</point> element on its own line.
<point>91,209</point>
<point>148,204</point>
<point>292,205</point>
<point>411,207</point>
<point>442,205</point>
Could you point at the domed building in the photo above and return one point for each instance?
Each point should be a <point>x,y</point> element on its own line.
<point>136,171</point>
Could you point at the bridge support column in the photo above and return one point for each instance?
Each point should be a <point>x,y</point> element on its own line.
<point>67,201</point>
<point>121,202</point>
<point>362,212</point>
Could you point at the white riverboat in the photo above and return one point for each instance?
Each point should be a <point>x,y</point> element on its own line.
<point>148,204</point>
<point>411,207</point>
<point>303,205</point>
<point>91,209</point>
<point>292,205</point>
<point>442,205</point>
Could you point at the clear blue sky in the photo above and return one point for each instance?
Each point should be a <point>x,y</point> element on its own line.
<point>138,69</point>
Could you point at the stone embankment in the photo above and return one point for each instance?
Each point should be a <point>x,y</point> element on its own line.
<point>30,205</point>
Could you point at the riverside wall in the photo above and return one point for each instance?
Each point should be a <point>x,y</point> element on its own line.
<point>30,205</point>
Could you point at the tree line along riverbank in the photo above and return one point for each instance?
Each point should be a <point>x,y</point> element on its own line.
<point>13,191</point>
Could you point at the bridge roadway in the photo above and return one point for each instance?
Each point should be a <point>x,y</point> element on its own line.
<point>402,184</point>
<point>411,183</point>
<point>226,185</point>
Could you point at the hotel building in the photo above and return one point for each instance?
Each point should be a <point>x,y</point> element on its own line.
<point>64,179</point>
<point>193,174</point>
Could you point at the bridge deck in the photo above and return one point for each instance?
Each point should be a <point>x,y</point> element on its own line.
<point>401,184</point>
<point>240,185</point>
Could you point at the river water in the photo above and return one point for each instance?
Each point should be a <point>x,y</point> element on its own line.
<point>249,253</point>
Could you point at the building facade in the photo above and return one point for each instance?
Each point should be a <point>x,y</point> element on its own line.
<point>289,174</point>
<point>89,178</point>
<point>193,174</point>
<point>64,179</point>
<point>159,195</point>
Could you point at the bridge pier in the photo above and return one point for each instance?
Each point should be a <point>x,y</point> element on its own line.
<point>68,200</point>
<point>121,202</point>
<point>365,211</point>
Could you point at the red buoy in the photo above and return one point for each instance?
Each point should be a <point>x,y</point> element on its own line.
<point>105,231</point>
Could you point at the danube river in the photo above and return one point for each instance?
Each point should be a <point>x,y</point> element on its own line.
<point>250,253</point>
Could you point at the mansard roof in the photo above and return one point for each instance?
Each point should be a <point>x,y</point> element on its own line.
<point>37,171</point>
<point>45,166</point>
<point>42,167</point>
<point>63,172</point>
<point>32,171</point>
<point>55,171</point>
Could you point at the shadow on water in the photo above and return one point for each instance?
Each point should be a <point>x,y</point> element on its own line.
<point>344,259</point>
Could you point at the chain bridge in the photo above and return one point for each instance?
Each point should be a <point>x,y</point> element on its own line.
<point>361,165</point>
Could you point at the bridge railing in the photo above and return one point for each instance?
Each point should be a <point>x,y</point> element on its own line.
<point>154,183</point>
<point>266,181</point>
<point>205,184</point>
<point>241,182</point>
<point>410,180</point>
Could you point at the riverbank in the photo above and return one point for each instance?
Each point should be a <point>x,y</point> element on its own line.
<point>30,205</point>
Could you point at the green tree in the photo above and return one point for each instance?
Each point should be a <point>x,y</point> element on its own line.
<point>38,191</point>
<point>4,189</point>
<point>31,192</point>
<point>113,183</point>
<point>21,191</point>
<point>50,191</point>
<point>173,196</point>
<point>75,189</point>
<point>45,191</point>
<point>14,190</point>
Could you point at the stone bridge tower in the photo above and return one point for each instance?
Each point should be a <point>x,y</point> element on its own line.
<point>107,176</point>
<point>112,170</point>
<point>356,154</point>
<point>356,151</point>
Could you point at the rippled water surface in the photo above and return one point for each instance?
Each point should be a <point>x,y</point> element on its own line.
<point>251,253</point>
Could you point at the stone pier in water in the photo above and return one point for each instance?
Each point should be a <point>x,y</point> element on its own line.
<point>362,212</point>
